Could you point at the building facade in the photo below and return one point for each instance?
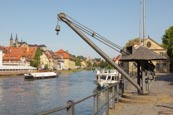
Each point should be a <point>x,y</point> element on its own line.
<point>161,66</point>
<point>64,60</point>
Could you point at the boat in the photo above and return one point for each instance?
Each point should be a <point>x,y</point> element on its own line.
<point>40,75</point>
<point>105,78</point>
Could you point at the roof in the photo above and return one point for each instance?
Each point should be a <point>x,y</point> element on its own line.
<point>153,41</point>
<point>143,53</point>
<point>64,54</point>
<point>15,53</point>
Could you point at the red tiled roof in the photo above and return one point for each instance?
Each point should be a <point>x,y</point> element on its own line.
<point>15,53</point>
<point>63,54</point>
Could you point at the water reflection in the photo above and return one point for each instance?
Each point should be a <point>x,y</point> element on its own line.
<point>19,97</point>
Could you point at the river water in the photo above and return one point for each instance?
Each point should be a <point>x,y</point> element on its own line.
<point>21,97</point>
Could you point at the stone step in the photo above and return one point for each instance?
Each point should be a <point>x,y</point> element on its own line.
<point>124,100</point>
<point>133,97</point>
<point>138,97</point>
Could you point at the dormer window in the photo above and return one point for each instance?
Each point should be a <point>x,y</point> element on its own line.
<point>148,44</point>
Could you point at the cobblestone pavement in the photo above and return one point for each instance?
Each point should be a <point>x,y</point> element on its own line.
<point>161,89</point>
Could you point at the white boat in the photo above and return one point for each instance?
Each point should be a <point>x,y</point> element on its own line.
<point>106,77</point>
<point>40,75</point>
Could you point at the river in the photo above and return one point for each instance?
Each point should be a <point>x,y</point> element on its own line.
<point>21,97</point>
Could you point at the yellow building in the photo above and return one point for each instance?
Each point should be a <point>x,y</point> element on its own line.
<point>160,65</point>
<point>65,60</point>
<point>46,61</point>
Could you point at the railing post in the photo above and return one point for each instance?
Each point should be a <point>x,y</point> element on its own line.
<point>117,92</point>
<point>70,109</point>
<point>107,101</point>
<point>113,96</point>
<point>96,103</point>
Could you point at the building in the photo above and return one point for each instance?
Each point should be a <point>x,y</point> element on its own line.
<point>64,60</point>
<point>160,65</point>
<point>18,55</point>
<point>17,43</point>
<point>46,60</point>
<point>13,69</point>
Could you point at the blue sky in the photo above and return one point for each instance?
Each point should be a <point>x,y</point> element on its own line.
<point>34,22</point>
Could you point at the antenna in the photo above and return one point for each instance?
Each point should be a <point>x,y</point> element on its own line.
<point>143,19</point>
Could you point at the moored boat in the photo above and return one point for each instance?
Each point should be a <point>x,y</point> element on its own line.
<point>105,78</point>
<point>40,75</point>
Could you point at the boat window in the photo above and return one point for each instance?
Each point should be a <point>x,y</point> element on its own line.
<point>109,77</point>
<point>96,77</point>
<point>103,77</point>
<point>113,78</point>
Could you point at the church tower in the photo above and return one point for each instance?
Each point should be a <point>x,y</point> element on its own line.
<point>11,40</point>
<point>16,41</point>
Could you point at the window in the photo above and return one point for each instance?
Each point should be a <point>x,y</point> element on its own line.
<point>148,44</point>
<point>161,53</point>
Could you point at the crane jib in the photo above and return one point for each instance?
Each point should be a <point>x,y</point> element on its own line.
<point>63,17</point>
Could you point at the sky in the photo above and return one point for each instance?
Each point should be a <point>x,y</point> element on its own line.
<point>34,22</point>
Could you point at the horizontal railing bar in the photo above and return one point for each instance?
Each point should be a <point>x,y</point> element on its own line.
<point>84,99</point>
<point>53,110</point>
<point>79,101</point>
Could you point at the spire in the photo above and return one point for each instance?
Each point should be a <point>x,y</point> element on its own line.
<point>16,38</point>
<point>11,38</point>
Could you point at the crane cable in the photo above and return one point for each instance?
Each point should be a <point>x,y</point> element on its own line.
<point>97,36</point>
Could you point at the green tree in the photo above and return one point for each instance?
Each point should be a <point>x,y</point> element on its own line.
<point>79,59</point>
<point>78,62</point>
<point>36,61</point>
<point>167,41</point>
<point>132,42</point>
<point>104,64</point>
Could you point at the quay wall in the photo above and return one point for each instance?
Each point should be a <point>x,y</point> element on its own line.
<point>6,73</point>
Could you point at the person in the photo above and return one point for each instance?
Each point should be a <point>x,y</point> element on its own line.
<point>151,66</point>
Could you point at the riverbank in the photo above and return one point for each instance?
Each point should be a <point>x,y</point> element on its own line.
<point>68,71</point>
<point>16,73</point>
<point>160,91</point>
<point>12,73</point>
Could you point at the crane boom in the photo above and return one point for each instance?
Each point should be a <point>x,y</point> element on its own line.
<point>63,17</point>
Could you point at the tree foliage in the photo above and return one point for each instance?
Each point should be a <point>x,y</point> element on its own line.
<point>36,61</point>
<point>132,42</point>
<point>79,59</point>
<point>167,41</point>
<point>104,64</point>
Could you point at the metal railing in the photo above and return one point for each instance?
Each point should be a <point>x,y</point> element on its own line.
<point>111,96</point>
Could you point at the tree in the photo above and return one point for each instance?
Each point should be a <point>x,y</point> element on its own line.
<point>78,62</point>
<point>167,41</point>
<point>36,61</point>
<point>79,59</point>
<point>104,64</point>
<point>132,42</point>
